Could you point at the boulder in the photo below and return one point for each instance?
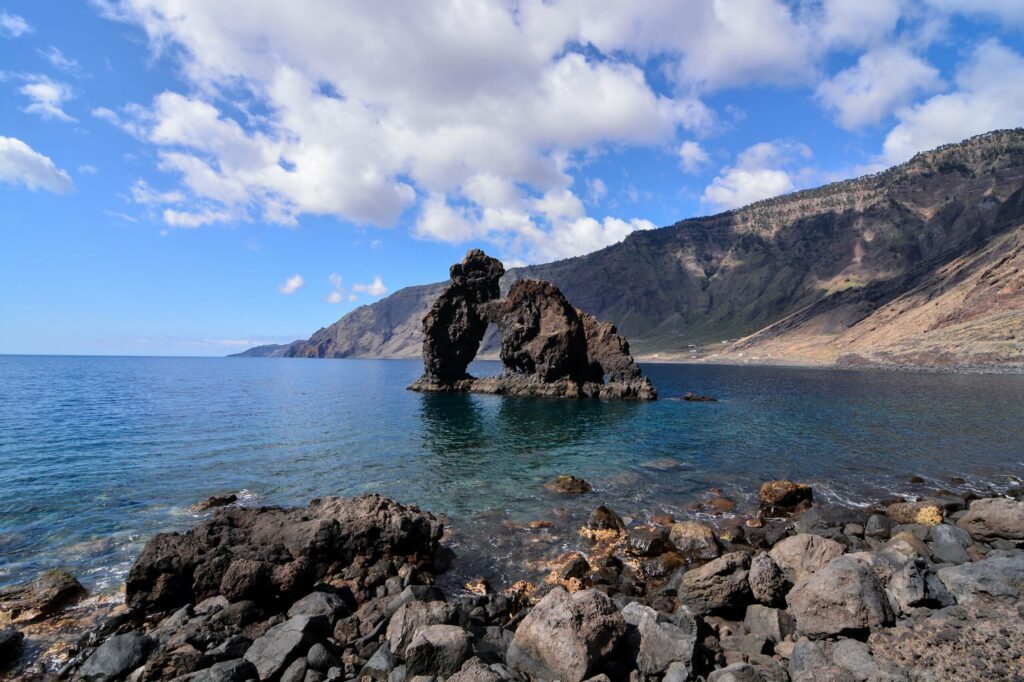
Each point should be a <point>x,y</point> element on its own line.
<point>662,644</point>
<point>213,502</point>
<point>327,604</point>
<point>718,584</point>
<point>995,577</point>
<point>647,541</point>
<point>568,485</point>
<point>803,554</point>
<point>569,637</point>
<point>235,670</point>
<point>322,659</point>
<point>828,520</point>
<point>475,670</point>
<point>845,660</point>
<point>923,513</point>
<point>994,518</point>
<point>290,550</point>
<point>783,495</point>
<point>767,580</point>
<point>775,624</point>
<point>844,596</point>
<point>272,653</point>
<point>379,666</point>
<point>695,541</point>
<point>437,650</point>
<point>949,544</point>
<point>414,615</point>
<point>116,657</point>
<point>603,522</point>
<point>52,591</point>
<point>917,584</point>
<point>878,526</point>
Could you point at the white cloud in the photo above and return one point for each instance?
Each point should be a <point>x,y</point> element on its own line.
<point>692,156</point>
<point>22,165</point>
<point>88,169</point>
<point>883,80</point>
<point>596,190</point>
<point>48,97</point>
<point>292,284</point>
<point>858,23</point>
<point>59,60</point>
<point>198,218</point>
<point>13,26</point>
<point>763,170</point>
<point>1008,11</point>
<point>142,193</point>
<point>989,94</point>
<point>338,294</point>
<point>374,288</point>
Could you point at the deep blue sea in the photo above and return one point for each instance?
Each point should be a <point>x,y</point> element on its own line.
<point>99,453</point>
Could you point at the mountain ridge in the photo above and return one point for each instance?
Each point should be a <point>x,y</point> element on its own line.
<point>783,279</point>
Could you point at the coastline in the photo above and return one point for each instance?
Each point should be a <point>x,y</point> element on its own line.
<point>745,593</point>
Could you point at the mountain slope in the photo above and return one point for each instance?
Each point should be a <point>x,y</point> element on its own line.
<point>811,272</point>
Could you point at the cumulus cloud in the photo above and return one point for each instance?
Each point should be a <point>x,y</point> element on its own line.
<point>882,81</point>
<point>59,60</point>
<point>692,156</point>
<point>142,193</point>
<point>197,218</point>
<point>989,94</point>
<point>47,97</point>
<point>22,165</point>
<point>374,288</point>
<point>292,284</point>
<point>337,295</point>
<point>763,170</point>
<point>13,26</point>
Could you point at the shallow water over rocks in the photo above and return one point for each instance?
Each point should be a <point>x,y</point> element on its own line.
<point>98,454</point>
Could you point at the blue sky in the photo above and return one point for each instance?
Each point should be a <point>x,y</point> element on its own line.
<point>190,178</point>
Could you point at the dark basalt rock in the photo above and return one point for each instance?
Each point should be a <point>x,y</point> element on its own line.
<point>274,553</point>
<point>52,591</point>
<point>548,347</point>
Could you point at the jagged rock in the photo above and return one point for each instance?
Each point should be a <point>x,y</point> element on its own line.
<point>283,643</point>
<point>949,544</point>
<point>327,604</point>
<point>116,657</point>
<point>718,584</point>
<point>843,596</point>
<point>694,540</point>
<point>917,584</point>
<point>924,513</point>
<point>569,485</point>
<point>603,521</point>
<point>52,591</point>
<point>437,650</point>
<point>475,670</point>
<point>646,541</point>
<point>548,347</point>
<point>803,554</point>
<point>767,580</point>
<point>783,495</point>
<point>454,326</point>
<point>290,549</point>
<point>380,665</point>
<point>569,637</point>
<point>236,670</point>
<point>840,661</point>
<point>878,526</point>
<point>214,501</point>
<point>661,643</point>
<point>993,518</point>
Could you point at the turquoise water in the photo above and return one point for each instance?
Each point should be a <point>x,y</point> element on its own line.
<point>99,453</point>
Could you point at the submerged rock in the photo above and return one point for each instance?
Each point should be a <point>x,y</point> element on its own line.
<point>783,495</point>
<point>52,591</point>
<point>568,485</point>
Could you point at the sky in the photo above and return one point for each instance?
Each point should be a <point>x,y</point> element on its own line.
<point>186,177</point>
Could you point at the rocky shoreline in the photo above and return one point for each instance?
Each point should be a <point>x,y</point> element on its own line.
<point>346,588</point>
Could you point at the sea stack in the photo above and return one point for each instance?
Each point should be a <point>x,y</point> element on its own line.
<point>548,347</point>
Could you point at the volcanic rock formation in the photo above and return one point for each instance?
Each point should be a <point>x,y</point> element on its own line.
<point>548,347</point>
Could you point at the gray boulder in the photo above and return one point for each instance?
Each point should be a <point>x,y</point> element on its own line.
<point>320,658</point>
<point>380,665</point>
<point>949,544</point>
<point>475,670</point>
<point>717,584</point>
<point>917,584</point>
<point>414,615</point>
<point>236,670</point>
<point>438,650</point>
<point>283,643</point>
<point>994,576</point>
<point>844,596</point>
<point>318,603</point>
<point>846,660</point>
<point>295,672</point>
<point>569,637</point>
<point>737,672</point>
<point>662,644</point>
<point>767,581</point>
<point>993,518</point>
<point>774,624</point>
<point>803,554</point>
<point>116,657</point>
<point>694,540</point>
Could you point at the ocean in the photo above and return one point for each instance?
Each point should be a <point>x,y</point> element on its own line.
<point>99,453</point>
